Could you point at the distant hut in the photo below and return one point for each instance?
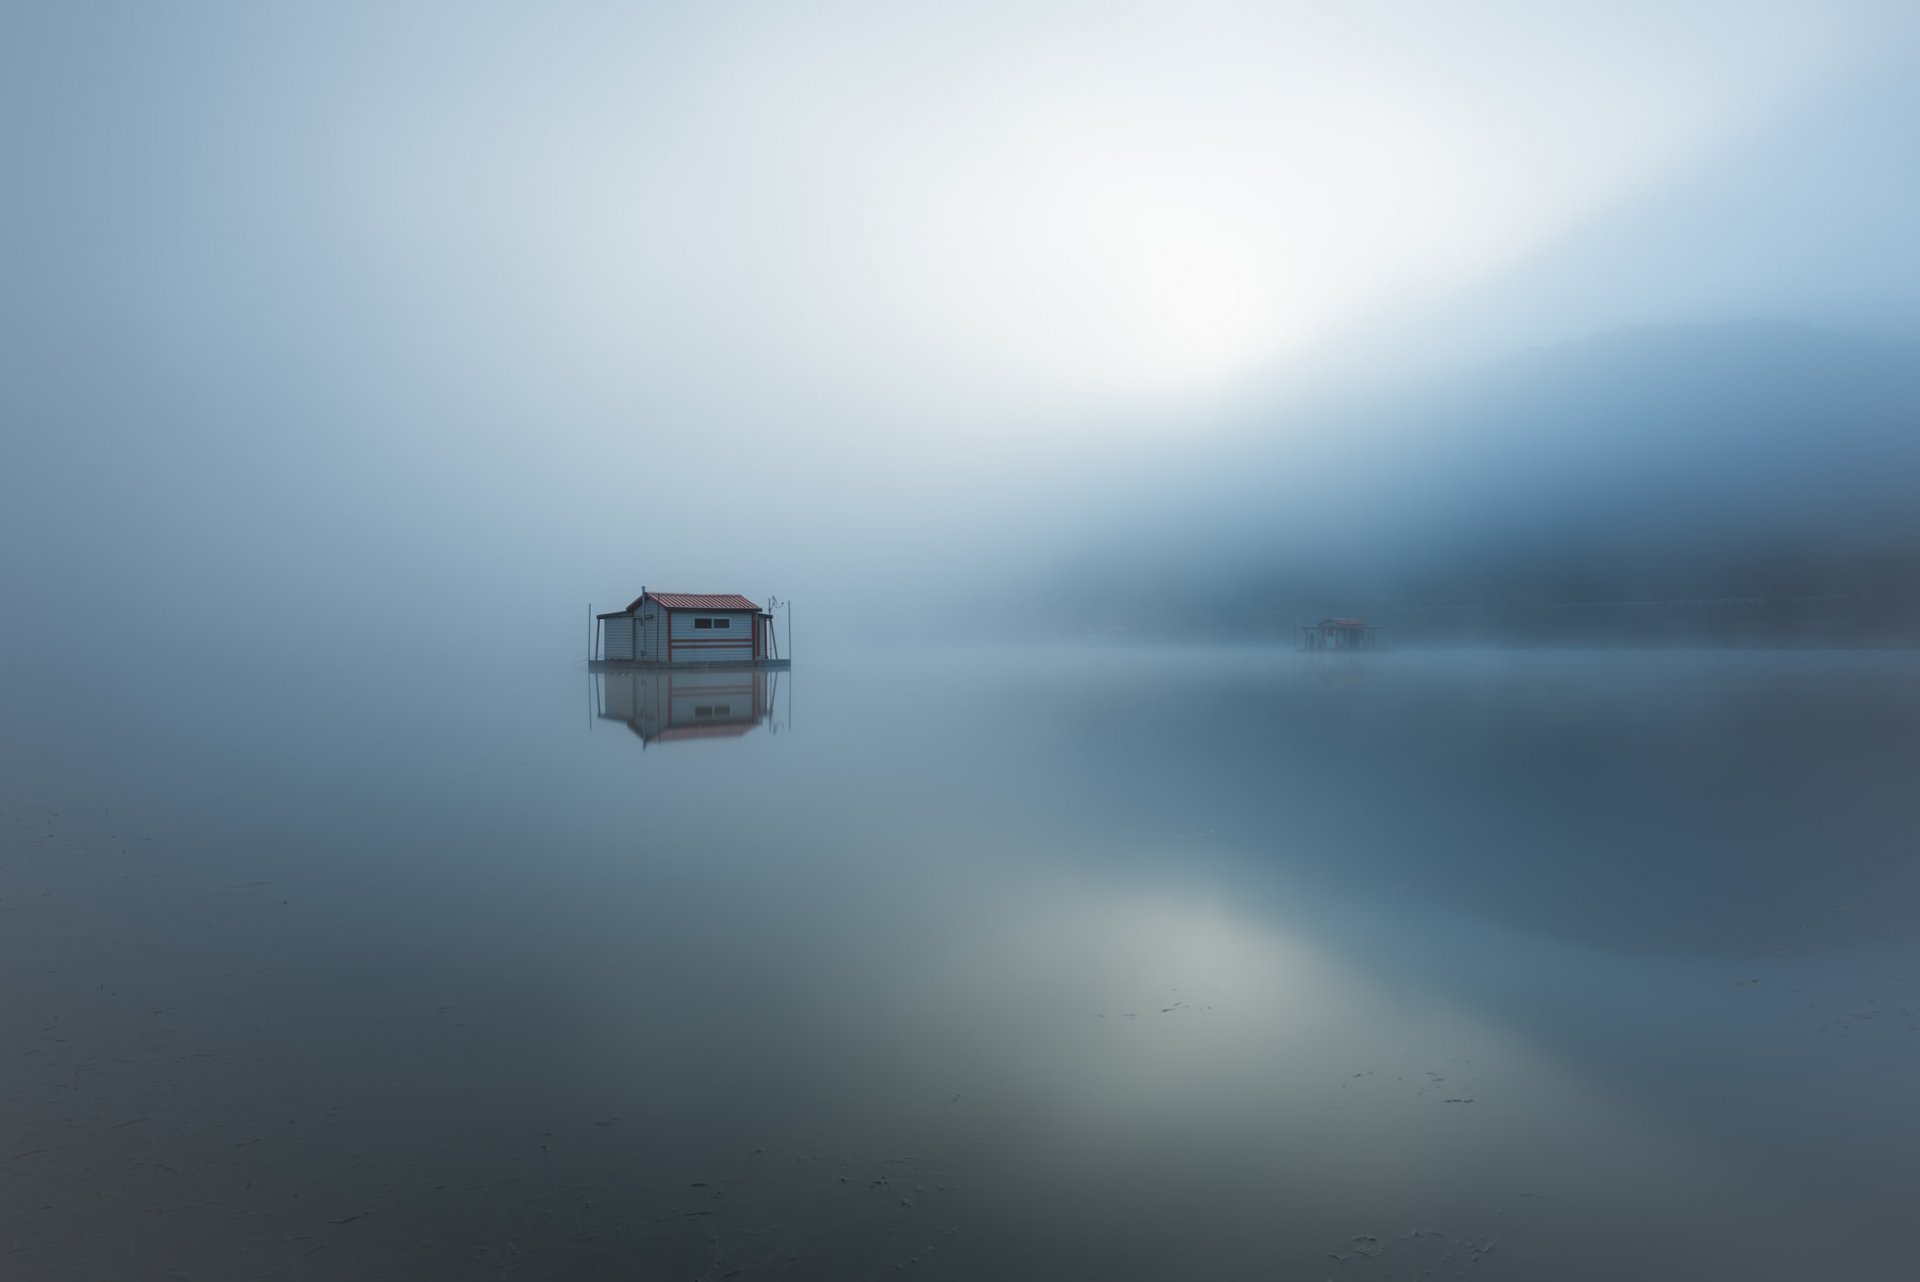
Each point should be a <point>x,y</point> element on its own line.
<point>1340,634</point>
<point>688,628</point>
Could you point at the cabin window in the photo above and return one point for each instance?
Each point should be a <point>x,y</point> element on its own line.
<point>713,623</point>
<point>713,710</point>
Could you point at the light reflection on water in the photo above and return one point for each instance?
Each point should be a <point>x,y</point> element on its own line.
<point>669,707</point>
<point>1117,964</point>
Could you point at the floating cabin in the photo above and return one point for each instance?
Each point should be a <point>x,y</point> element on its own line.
<point>1340,634</point>
<point>680,629</point>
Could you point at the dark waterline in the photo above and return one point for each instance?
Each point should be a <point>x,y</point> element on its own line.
<point>1115,964</point>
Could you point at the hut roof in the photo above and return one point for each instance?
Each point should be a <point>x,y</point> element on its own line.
<point>695,601</point>
<point>1343,623</point>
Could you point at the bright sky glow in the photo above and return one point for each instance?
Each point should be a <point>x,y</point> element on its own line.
<point>970,219</point>
<point>1084,208</point>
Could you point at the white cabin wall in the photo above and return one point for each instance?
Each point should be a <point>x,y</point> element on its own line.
<point>652,634</point>
<point>617,638</point>
<point>701,645</point>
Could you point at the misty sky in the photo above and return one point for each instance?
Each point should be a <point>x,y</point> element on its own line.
<point>370,310</point>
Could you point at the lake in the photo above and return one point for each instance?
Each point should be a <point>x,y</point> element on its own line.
<point>1118,963</point>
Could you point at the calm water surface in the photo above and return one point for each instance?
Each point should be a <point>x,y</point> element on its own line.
<point>1117,964</point>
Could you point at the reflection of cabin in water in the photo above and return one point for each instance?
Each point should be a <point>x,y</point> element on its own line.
<point>662,707</point>
<point>1340,634</point>
<point>688,628</point>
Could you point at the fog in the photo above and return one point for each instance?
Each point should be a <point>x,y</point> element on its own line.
<point>360,317</point>
<point>1049,908</point>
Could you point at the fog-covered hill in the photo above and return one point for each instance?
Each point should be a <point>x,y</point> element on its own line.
<point>1736,482</point>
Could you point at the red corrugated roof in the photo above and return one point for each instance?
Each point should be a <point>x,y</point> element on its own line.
<point>696,601</point>
<point>1344,623</point>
